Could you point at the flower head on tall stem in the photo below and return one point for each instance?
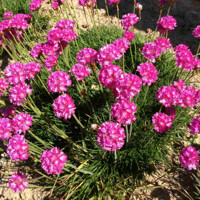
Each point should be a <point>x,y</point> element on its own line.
<point>80,71</point>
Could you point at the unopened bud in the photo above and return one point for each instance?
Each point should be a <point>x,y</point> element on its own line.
<point>138,6</point>
<point>94,127</point>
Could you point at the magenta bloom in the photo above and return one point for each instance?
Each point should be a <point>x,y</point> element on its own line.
<point>171,112</point>
<point>50,62</point>
<point>22,123</point>
<point>187,97</point>
<point>129,35</point>
<point>113,2</point>
<point>127,86</point>
<point>179,85</point>
<point>31,69</point>
<point>68,35</point>
<point>49,49</point>
<point>36,51</point>
<point>65,24</point>
<point>80,71</point>
<point>86,56</point>
<point>189,158</point>
<point>128,21</point>
<point>15,73</point>
<point>35,5</point>
<point>21,21</point>
<point>181,47</point>
<point>58,81</point>
<point>167,95</point>
<point>64,106</point>
<point>3,85</point>
<point>109,75</point>
<point>82,3</point>
<point>18,93</point>
<point>111,136</point>
<point>18,148</point>
<point>151,51</point>
<point>196,32</point>
<point>107,54</point>
<point>195,126</point>
<point>5,128</point>
<point>55,5</point>
<point>166,23</point>
<point>53,161</point>
<point>17,182</point>
<point>163,43</point>
<point>123,112</point>
<point>148,72</point>
<point>197,97</point>
<point>9,111</point>
<point>8,15</point>
<point>162,122</point>
<point>122,44</point>
<point>54,35</point>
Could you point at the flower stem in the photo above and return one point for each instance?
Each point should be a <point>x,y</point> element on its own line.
<point>78,121</point>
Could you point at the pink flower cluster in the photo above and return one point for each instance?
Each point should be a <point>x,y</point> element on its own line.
<point>166,23</point>
<point>64,106</point>
<point>123,112</point>
<point>19,92</point>
<point>57,3</point>
<point>184,58</point>
<point>195,126</point>
<point>31,69</point>
<point>128,21</point>
<point>148,72</point>
<point>89,3</point>
<point>36,51</point>
<point>58,81</point>
<point>189,158</point>
<point>3,85</point>
<point>18,148</point>
<point>5,128</point>
<point>196,32</point>
<point>109,75</point>
<point>86,56</point>
<point>163,43</point>
<point>53,160</point>
<point>113,2</point>
<point>162,122</point>
<point>17,182</point>
<point>80,71</point>
<point>35,5</point>
<point>9,111</point>
<point>129,35</point>
<point>122,44</point>
<point>111,136</point>
<point>8,15</point>
<point>22,122</point>
<point>50,62</point>
<point>127,86</point>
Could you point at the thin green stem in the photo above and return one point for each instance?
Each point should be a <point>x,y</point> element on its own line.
<point>78,121</point>
<point>170,5</point>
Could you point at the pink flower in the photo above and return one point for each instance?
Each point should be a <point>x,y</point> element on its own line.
<point>22,123</point>
<point>122,44</point>
<point>151,51</point>
<point>163,43</point>
<point>123,112</point>
<point>171,112</point>
<point>197,64</point>
<point>197,97</point>
<point>166,23</point>
<point>18,148</point>
<point>82,3</point>
<point>162,122</point>
<point>36,51</point>
<point>113,2</point>
<point>10,111</point>
<point>195,126</point>
<point>18,93</point>
<point>53,161</point>
<point>64,106</point>
<point>128,21</point>
<point>189,158</point>
<point>65,24</point>
<point>20,21</point>
<point>3,85</point>
<point>179,85</point>
<point>17,182</point>
<point>15,73</point>
<point>167,95</point>
<point>129,35</point>
<point>54,35</point>
<point>58,81</point>
<point>5,128</point>
<point>187,97</point>
<point>35,5</point>
<point>31,69</point>
<point>109,75</point>
<point>148,72</point>
<point>127,86</point>
<point>55,5</point>
<point>86,56</point>
<point>181,47</point>
<point>68,35</point>
<point>8,15</point>
<point>50,62</point>
<point>49,49</point>
<point>139,7</point>
<point>107,54</point>
<point>111,136</point>
<point>196,32</point>
<point>80,71</point>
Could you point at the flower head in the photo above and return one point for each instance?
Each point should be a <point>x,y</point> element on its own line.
<point>162,122</point>
<point>3,85</point>
<point>31,69</point>
<point>113,2</point>
<point>195,126</point>
<point>196,32</point>
<point>128,21</point>
<point>64,106</point>
<point>80,71</point>
<point>8,15</point>
<point>111,136</point>
<point>129,35</point>
<point>5,128</point>
<point>65,24</point>
<point>179,85</point>
<point>86,56</point>
<point>50,62</point>
<point>17,182</point>
<point>18,148</point>
<point>36,51</point>
<point>122,44</point>
<point>53,160</point>
<point>189,158</point>
<point>163,43</point>
<point>35,5</point>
